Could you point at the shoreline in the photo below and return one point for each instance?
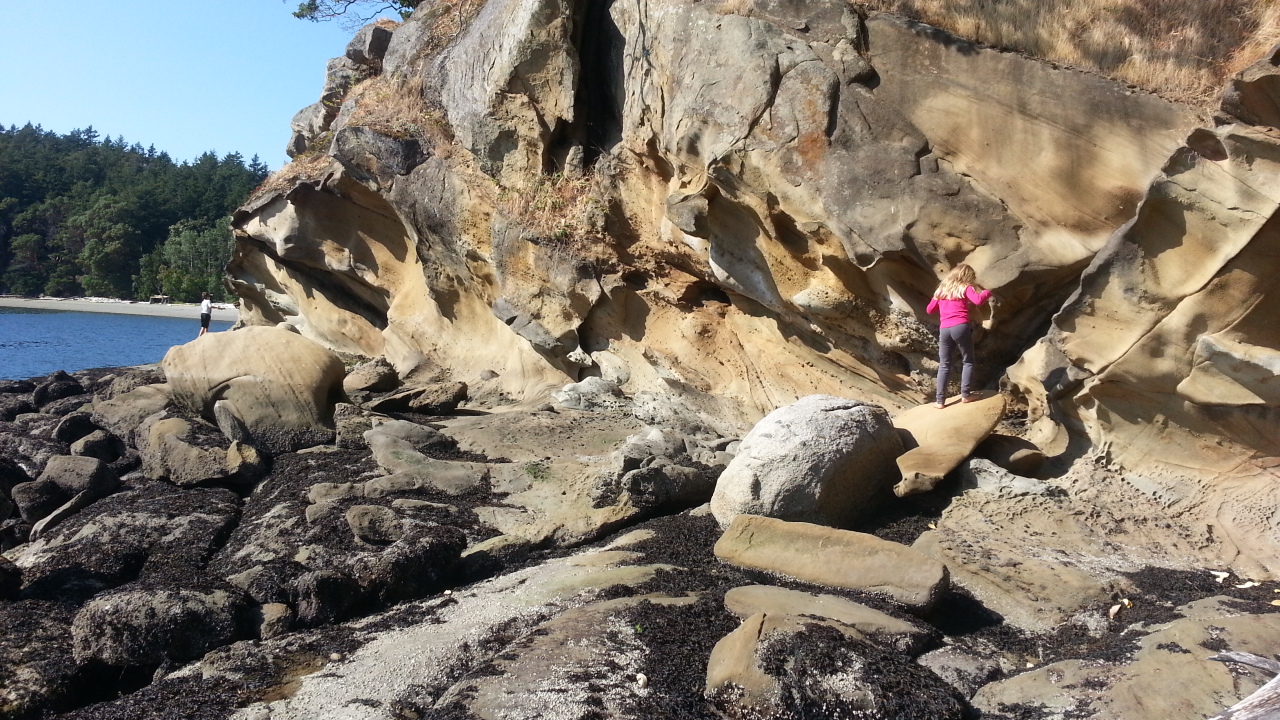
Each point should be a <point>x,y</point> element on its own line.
<point>120,307</point>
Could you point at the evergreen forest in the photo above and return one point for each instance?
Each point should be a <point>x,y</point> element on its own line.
<point>82,215</point>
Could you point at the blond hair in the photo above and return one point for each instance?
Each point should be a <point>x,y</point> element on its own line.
<point>956,282</point>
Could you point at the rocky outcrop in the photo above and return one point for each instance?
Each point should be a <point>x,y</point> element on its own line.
<point>1165,356</point>
<point>799,205</point>
<point>265,386</point>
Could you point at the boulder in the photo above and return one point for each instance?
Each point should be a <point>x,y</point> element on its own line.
<point>369,45</point>
<point>147,625</point>
<point>323,596</point>
<point>56,387</point>
<point>273,620</point>
<point>416,564</point>
<point>37,498</point>
<point>880,627</point>
<point>423,438</point>
<point>312,120</point>
<point>795,667</point>
<point>190,454</point>
<point>65,406</point>
<point>834,558</point>
<point>369,154</point>
<point>74,426</point>
<point>77,474</point>
<point>123,413</point>
<point>6,507</point>
<point>109,542</point>
<point>340,75</point>
<point>376,375</point>
<point>433,399</point>
<point>13,405</point>
<point>132,379</point>
<point>822,459</point>
<point>350,424</point>
<point>98,444</point>
<point>374,524</point>
<point>937,440</point>
<point>592,394</point>
<point>411,469</point>
<point>278,384</point>
<point>1253,96</point>
<point>35,651</point>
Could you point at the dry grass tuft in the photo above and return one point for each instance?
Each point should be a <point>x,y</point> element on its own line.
<point>307,166</point>
<point>555,207</point>
<point>396,108</point>
<point>446,22</point>
<point>562,218</point>
<point>1184,50</point>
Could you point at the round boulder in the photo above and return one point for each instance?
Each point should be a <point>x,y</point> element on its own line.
<point>279,385</point>
<point>137,626</point>
<point>75,474</point>
<point>374,524</point>
<point>822,459</point>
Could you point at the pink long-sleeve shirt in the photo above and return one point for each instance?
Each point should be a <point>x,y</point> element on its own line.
<point>956,312</point>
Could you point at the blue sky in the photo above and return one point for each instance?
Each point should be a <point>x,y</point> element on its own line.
<point>222,75</point>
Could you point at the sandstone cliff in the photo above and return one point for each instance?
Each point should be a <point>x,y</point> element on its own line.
<point>748,202</point>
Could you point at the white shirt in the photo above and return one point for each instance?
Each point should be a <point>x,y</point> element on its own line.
<point>206,307</point>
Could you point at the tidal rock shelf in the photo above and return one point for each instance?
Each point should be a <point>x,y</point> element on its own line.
<point>355,581</point>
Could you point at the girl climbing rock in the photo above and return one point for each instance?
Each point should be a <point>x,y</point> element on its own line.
<point>958,290</point>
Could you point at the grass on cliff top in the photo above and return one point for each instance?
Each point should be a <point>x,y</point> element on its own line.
<point>396,108</point>
<point>1184,50</point>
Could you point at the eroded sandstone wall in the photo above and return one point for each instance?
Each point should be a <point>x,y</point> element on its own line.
<point>779,187</point>
<point>1166,356</point>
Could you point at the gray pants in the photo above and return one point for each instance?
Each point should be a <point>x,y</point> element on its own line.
<point>948,339</point>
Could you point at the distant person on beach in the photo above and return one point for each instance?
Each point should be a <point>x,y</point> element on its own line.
<point>958,290</point>
<point>206,313</point>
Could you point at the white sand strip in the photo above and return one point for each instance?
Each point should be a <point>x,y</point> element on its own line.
<point>122,307</point>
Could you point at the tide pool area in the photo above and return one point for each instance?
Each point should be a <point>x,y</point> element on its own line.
<point>35,342</point>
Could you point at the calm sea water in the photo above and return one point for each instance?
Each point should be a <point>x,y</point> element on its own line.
<point>38,342</point>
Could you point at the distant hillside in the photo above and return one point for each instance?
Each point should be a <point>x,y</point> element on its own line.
<point>80,215</point>
<point>1182,49</point>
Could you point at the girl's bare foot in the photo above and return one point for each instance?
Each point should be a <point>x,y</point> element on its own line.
<point>970,398</point>
<point>940,405</point>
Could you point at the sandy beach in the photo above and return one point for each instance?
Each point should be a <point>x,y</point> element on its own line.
<point>122,307</point>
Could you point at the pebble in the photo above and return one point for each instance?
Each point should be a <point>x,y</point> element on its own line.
<point>335,656</point>
<point>642,680</point>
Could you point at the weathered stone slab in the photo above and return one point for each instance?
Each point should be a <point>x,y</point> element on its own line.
<point>835,558</point>
<point>777,666</point>
<point>882,627</point>
<point>940,439</point>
